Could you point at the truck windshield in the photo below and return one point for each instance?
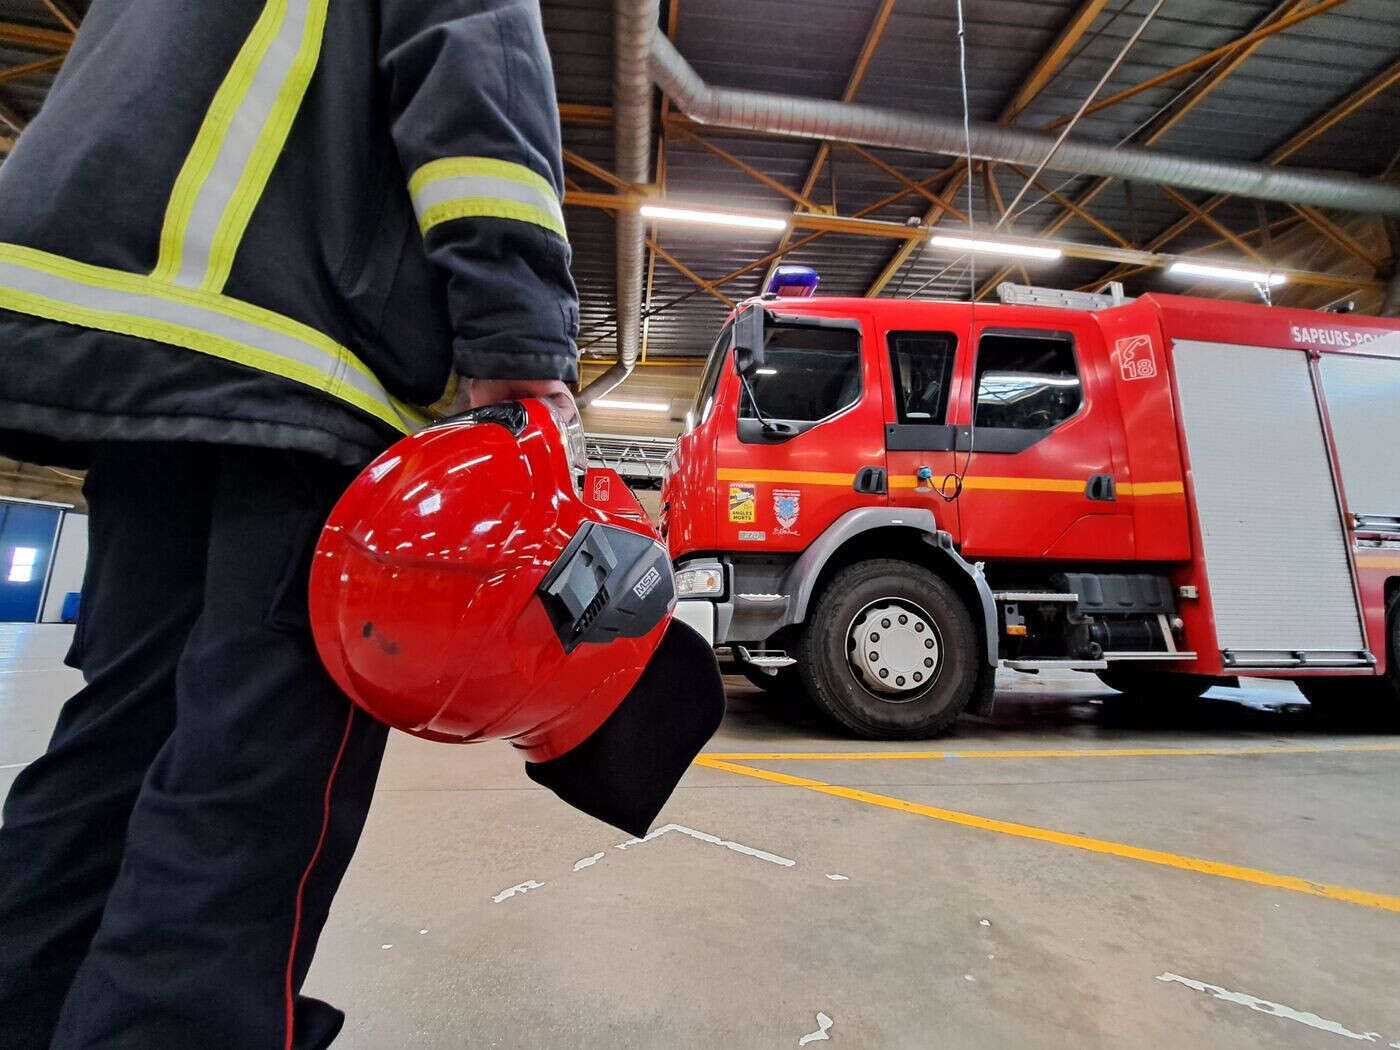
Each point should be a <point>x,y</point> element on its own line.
<point>810,373</point>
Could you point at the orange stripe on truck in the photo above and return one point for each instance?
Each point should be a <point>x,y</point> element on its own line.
<point>987,484</point>
<point>1364,561</point>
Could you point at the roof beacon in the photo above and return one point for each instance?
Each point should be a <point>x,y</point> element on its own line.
<point>793,282</point>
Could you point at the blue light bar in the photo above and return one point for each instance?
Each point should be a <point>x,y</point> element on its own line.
<point>793,282</point>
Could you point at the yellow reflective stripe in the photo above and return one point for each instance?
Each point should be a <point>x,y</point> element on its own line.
<point>459,167</point>
<point>989,484</point>
<point>483,187</point>
<point>804,477</point>
<point>41,284</point>
<point>238,144</point>
<point>1370,561</point>
<point>489,208</point>
<point>1152,488</point>
<point>269,147</point>
<point>1025,484</point>
<point>211,136</point>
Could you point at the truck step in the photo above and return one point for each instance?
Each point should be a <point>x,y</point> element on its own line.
<point>764,659</point>
<point>1035,596</point>
<point>1054,665</point>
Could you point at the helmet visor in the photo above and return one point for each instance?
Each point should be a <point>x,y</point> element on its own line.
<point>565,414</point>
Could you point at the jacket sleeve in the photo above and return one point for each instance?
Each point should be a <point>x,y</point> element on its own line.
<point>474,118</point>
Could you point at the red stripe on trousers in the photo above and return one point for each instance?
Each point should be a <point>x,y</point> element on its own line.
<point>305,875</point>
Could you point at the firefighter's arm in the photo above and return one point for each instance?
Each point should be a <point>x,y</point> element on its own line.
<point>476,125</point>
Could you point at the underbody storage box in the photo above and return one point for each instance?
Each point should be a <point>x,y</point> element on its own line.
<point>1117,594</point>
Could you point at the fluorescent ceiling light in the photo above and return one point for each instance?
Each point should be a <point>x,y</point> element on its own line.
<point>714,218</point>
<point>975,244</point>
<point>766,371</point>
<point>1227,273</point>
<point>632,406</point>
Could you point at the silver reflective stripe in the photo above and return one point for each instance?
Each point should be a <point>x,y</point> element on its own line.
<point>216,192</point>
<point>334,372</point>
<point>486,188</point>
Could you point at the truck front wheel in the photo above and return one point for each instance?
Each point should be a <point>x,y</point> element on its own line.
<point>890,651</point>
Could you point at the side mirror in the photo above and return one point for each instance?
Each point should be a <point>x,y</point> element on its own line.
<point>748,339</point>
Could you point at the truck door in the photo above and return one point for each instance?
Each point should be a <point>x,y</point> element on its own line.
<point>918,429</point>
<point>1041,479</point>
<point>811,448</point>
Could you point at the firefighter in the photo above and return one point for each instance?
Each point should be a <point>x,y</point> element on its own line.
<point>240,240</point>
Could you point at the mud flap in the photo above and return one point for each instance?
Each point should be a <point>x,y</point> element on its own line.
<point>984,693</point>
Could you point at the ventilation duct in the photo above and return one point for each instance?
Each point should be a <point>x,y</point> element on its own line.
<point>634,26</point>
<point>873,126</point>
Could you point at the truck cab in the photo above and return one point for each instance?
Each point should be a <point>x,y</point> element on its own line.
<point>878,502</point>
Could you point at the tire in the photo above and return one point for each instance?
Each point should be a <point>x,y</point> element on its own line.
<point>1158,688</point>
<point>1347,698</point>
<point>847,611</point>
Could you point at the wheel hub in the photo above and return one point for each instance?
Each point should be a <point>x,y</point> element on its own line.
<point>893,647</point>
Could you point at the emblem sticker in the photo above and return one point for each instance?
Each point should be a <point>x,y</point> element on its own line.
<point>1135,358</point>
<point>743,503</point>
<point>602,489</point>
<point>787,506</point>
<point>750,536</point>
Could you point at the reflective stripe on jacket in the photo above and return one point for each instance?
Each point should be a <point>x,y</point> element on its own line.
<point>282,222</point>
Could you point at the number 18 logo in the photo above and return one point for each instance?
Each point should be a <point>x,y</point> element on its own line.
<point>1135,359</point>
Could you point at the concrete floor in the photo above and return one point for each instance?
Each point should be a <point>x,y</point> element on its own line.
<point>1084,897</point>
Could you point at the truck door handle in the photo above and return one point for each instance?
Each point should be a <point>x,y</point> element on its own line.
<point>1102,488</point>
<point>871,481</point>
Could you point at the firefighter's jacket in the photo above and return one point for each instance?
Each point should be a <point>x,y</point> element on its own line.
<point>281,223</point>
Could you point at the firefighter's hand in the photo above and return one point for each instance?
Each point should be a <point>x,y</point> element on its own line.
<point>490,391</point>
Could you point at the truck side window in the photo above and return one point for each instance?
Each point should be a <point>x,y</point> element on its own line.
<point>923,371</point>
<point>1027,381</point>
<point>809,373</point>
<point>709,379</point>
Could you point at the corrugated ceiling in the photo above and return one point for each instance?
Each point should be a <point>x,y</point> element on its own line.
<point>811,48</point>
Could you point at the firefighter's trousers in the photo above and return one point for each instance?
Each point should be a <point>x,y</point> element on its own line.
<point>167,866</point>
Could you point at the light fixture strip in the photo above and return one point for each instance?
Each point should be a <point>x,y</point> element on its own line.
<point>1227,273</point>
<point>632,406</point>
<point>665,213</point>
<point>977,244</point>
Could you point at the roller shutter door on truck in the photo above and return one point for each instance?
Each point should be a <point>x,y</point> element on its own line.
<point>1275,552</point>
<point>1363,402</point>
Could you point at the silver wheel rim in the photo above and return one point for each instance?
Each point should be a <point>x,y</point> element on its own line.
<point>894,649</point>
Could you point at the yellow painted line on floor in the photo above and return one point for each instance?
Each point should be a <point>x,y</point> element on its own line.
<point>1081,752</point>
<point>1292,883</point>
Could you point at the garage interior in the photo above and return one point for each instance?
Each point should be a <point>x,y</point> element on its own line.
<point>1072,869</point>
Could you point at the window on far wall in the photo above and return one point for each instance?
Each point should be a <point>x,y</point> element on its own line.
<point>22,565</point>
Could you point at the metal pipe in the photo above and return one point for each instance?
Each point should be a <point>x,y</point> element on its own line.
<point>634,27</point>
<point>874,126</point>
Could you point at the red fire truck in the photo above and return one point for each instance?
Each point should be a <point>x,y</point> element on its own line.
<point>881,501</point>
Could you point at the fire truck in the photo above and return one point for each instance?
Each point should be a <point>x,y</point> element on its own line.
<point>879,502</point>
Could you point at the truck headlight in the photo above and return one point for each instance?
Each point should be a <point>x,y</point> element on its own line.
<point>698,582</point>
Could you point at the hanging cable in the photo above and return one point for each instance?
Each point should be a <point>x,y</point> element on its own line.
<point>1088,100</point>
<point>950,488</point>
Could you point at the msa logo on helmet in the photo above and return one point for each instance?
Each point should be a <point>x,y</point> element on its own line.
<point>647,583</point>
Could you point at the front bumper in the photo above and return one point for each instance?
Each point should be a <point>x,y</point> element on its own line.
<point>699,614</point>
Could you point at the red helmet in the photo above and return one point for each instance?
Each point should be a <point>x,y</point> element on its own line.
<point>462,591</point>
